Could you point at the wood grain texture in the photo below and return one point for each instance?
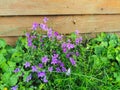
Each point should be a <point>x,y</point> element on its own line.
<point>15,26</point>
<point>10,40</point>
<point>58,7</point>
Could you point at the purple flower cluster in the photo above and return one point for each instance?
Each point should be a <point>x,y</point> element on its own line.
<point>42,75</point>
<point>29,40</point>
<point>60,65</point>
<point>35,26</point>
<point>54,59</point>
<point>78,40</point>
<point>67,46</point>
<point>59,37</point>
<point>54,62</point>
<point>58,69</point>
<point>45,59</point>
<point>43,27</point>
<point>70,54</point>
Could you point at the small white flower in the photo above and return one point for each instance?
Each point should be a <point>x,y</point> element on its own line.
<point>68,72</point>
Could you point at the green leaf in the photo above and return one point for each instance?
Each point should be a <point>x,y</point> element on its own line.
<point>118,58</point>
<point>2,43</point>
<point>117,76</point>
<point>17,57</point>
<point>41,86</point>
<point>25,76</point>
<point>104,44</point>
<point>13,80</point>
<point>11,64</point>
<point>3,51</point>
<point>112,43</point>
<point>99,50</point>
<point>5,77</point>
<point>73,36</point>
<point>4,67</point>
<point>111,53</point>
<point>2,59</point>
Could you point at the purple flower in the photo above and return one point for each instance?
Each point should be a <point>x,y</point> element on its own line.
<point>27,35</point>
<point>41,40</point>
<point>59,37</point>
<point>64,69</point>
<point>17,70</point>
<point>29,78</point>
<point>58,69</point>
<point>14,87</point>
<point>34,68</point>
<point>64,45</point>
<point>54,59</point>
<point>45,19</point>
<point>45,59</point>
<point>55,56</point>
<point>69,41</point>
<point>78,40</point>
<point>72,61</point>
<point>77,54</point>
<point>49,33</point>
<point>50,69</point>
<point>29,41</point>
<point>34,26</point>
<point>68,55</point>
<point>33,36</point>
<point>76,32</point>
<point>53,51</point>
<point>45,80</point>
<point>43,26</point>
<point>41,74</point>
<point>34,46</point>
<point>56,34</point>
<point>64,50</point>
<point>27,64</point>
<point>61,64</point>
<point>40,65</point>
<point>70,46</point>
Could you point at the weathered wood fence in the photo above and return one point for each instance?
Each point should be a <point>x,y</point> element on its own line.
<point>65,16</point>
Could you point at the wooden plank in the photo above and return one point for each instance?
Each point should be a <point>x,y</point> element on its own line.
<point>10,40</point>
<point>15,26</point>
<point>58,7</point>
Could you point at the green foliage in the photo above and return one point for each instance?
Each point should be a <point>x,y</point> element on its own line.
<point>94,65</point>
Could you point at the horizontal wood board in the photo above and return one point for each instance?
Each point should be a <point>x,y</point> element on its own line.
<point>58,7</point>
<point>15,26</point>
